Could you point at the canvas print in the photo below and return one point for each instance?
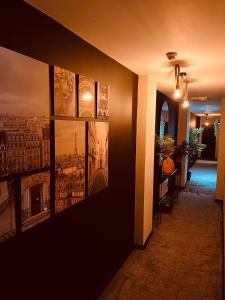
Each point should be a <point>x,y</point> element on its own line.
<point>7,210</point>
<point>86,97</point>
<point>103,101</point>
<point>97,156</point>
<point>35,199</point>
<point>64,92</point>
<point>24,113</point>
<point>70,163</point>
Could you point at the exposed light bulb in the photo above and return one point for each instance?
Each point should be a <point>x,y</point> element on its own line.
<point>177,93</point>
<point>87,96</point>
<point>186,103</point>
<point>206,123</point>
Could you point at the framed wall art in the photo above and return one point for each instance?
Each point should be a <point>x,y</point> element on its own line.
<point>64,92</point>
<point>24,114</point>
<point>70,163</point>
<point>7,210</point>
<point>86,97</point>
<point>35,199</point>
<point>103,101</point>
<point>98,136</point>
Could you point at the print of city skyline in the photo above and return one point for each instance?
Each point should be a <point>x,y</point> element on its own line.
<point>70,163</point>
<point>24,116</point>
<point>98,135</point>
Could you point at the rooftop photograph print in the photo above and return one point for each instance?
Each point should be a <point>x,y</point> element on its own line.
<point>97,156</point>
<point>70,163</point>
<point>24,115</point>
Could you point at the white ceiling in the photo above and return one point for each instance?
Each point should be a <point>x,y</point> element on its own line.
<point>139,33</point>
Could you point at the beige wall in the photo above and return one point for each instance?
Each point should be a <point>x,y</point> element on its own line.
<point>221,155</point>
<point>145,145</point>
<point>183,132</point>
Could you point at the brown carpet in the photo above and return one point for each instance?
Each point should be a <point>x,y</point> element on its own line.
<point>183,259</point>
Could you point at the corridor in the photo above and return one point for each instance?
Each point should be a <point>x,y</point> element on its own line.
<point>183,259</point>
<point>203,177</point>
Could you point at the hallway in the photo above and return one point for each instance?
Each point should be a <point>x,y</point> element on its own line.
<point>203,177</point>
<point>183,259</point>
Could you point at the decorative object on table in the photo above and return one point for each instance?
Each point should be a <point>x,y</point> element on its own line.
<point>64,92</point>
<point>86,97</point>
<point>98,136</point>
<point>69,163</point>
<point>103,101</point>
<point>165,148</point>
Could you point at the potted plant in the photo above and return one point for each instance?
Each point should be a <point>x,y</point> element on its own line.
<point>194,147</point>
<point>165,148</point>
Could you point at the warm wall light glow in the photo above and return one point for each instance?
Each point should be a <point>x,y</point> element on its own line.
<point>206,123</point>
<point>87,96</point>
<point>177,93</point>
<point>186,103</point>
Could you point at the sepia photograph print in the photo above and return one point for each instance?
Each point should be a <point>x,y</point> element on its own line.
<point>64,92</point>
<point>7,210</point>
<point>70,163</point>
<point>97,156</point>
<point>86,97</point>
<point>103,101</point>
<point>24,114</point>
<point>35,199</point>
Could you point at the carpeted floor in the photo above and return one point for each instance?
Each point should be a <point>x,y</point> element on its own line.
<point>183,259</point>
<point>203,177</point>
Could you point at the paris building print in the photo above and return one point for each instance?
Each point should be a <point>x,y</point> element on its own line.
<point>64,92</point>
<point>98,133</point>
<point>86,97</point>
<point>70,163</point>
<point>24,114</point>
<point>35,199</point>
<point>7,210</point>
<point>103,101</point>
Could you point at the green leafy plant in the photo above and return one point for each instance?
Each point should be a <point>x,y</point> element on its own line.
<point>195,145</point>
<point>216,125</point>
<point>182,149</point>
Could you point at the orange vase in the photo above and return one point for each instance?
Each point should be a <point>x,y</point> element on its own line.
<point>168,166</point>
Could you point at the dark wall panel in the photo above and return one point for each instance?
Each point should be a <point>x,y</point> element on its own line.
<point>73,254</point>
<point>173,114</point>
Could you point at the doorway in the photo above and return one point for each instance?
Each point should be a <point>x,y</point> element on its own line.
<point>208,138</point>
<point>36,199</point>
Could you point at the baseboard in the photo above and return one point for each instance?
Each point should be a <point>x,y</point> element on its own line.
<point>142,247</point>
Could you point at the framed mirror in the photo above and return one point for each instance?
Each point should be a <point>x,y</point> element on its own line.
<point>164,119</point>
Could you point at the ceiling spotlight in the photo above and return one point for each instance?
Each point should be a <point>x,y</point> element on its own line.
<point>186,103</point>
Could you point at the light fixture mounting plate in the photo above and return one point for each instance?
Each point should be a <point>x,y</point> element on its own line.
<point>171,55</point>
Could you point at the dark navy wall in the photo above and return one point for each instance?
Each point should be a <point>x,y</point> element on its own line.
<point>72,255</point>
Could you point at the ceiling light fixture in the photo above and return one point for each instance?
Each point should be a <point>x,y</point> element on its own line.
<point>179,76</point>
<point>185,88</point>
<point>206,120</point>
